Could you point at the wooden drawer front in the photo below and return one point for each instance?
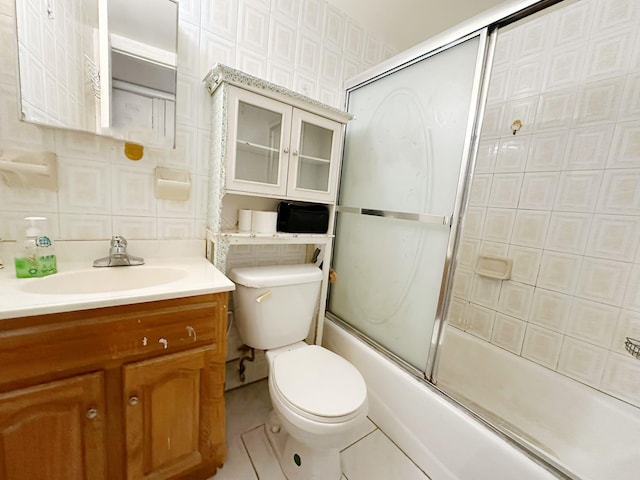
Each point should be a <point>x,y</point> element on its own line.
<point>91,339</point>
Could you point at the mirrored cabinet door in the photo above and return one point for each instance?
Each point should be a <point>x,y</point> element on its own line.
<point>315,149</point>
<point>258,143</point>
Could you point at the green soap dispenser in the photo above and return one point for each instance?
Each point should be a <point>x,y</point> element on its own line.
<point>35,255</point>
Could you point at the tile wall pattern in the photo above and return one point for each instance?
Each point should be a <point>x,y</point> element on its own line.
<point>305,45</point>
<point>561,197</point>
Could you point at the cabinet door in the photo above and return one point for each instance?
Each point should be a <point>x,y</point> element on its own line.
<point>174,417</point>
<point>258,143</point>
<point>315,154</point>
<point>54,431</point>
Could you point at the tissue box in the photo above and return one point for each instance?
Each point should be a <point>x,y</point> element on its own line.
<point>294,217</point>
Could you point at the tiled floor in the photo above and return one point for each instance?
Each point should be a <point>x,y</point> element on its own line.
<point>369,455</point>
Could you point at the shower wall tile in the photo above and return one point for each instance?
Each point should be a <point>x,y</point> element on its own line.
<point>538,190</point>
<point>588,148</point>
<point>570,182</point>
<point>603,280</point>
<point>515,299</point>
<point>512,154</point>
<point>505,190</point>
<point>559,271</point>
<point>555,110</point>
<point>526,263</point>
<point>599,102</point>
<point>550,309</point>
<point>486,157</point>
<point>577,191</point>
<point>582,361</point>
<point>625,150</point>
<point>499,224</point>
<point>480,321</point>
<point>546,152</point>
<point>630,108</point>
<point>568,232</point>
<point>622,378</point>
<point>486,291</point>
<point>524,110</point>
<point>620,192</point>
<point>480,190</point>
<point>614,237</point>
<point>508,333</point>
<point>592,322</point>
<point>530,228</point>
<point>474,222</point>
<point>457,314</point>
<point>627,325</point>
<point>542,346</point>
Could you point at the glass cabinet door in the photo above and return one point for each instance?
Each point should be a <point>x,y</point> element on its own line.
<point>315,147</point>
<point>258,143</point>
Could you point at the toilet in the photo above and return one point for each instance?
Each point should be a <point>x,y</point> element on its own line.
<point>318,397</point>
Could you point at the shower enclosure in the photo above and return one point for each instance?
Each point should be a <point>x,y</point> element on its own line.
<point>488,223</point>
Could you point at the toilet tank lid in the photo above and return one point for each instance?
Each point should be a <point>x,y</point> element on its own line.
<point>276,275</point>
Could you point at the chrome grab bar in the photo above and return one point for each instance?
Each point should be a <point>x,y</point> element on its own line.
<point>413,217</point>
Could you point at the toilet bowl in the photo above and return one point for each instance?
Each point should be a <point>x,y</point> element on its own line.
<point>318,397</point>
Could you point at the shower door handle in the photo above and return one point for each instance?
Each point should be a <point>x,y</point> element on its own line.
<point>412,217</point>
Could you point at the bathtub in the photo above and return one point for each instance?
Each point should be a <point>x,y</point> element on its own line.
<point>593,435</point>
<point>448,443</point>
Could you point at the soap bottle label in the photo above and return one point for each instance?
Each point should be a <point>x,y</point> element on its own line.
<point>39,261</point>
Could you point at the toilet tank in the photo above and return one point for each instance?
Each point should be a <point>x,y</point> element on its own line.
<point>274,305</point>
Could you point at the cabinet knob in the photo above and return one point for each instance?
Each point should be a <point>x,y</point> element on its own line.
<point>286,150</point>
<point>295,153</point>
<point>133,401</point>
<point>92,413</point>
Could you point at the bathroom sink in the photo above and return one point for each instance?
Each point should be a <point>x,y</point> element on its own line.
<point>103,280</point>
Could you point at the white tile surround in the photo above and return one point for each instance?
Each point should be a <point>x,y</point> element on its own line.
<point>305,45</point>
<point>368,455</point>
<point>561,197</point>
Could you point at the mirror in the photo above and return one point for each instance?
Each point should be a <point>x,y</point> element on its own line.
<point>101,66</point>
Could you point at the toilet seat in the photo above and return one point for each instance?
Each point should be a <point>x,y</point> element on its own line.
<point>318,385</point>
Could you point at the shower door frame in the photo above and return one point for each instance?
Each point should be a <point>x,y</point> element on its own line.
<point>484,26</point>
<point>450,221</point>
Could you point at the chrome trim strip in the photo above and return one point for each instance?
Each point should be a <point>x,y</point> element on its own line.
<point>412,217</point>
<point>484,61</point>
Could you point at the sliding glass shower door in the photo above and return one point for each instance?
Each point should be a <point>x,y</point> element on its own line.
<point>405,154</point>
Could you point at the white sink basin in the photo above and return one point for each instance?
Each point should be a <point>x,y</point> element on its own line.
<point>109,279</point>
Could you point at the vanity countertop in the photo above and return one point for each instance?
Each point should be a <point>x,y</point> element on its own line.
<point>185,275</point>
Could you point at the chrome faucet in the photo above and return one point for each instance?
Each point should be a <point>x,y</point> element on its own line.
<point>118,256</point>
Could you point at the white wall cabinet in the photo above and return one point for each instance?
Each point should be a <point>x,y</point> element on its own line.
<point>280,150</point>
<point>269,144</point>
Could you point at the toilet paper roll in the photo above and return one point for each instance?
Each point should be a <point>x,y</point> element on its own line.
<point>263,222</point>
<point>244,220</point>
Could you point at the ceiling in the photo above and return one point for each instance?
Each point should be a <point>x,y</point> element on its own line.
<point>405,23</point>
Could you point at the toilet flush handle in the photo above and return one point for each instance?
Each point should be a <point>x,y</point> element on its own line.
<point>264,296</point>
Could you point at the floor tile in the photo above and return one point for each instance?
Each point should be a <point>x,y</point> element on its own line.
<point>375,457</point>
<point>261,454</point>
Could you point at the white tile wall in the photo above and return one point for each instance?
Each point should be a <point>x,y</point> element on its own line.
<point>561,197</point>
<point>305,45</point>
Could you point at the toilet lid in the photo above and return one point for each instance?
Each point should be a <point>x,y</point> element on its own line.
<point>319,382</point>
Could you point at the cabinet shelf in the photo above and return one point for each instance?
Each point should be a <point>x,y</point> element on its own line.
<point>315,159</point>
<point>245,144</point>
<point>249,238</point>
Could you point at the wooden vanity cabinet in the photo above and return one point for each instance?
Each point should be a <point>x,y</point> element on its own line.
<point>128,392</point>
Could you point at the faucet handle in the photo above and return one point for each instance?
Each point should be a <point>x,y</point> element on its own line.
<point>118,241</point>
